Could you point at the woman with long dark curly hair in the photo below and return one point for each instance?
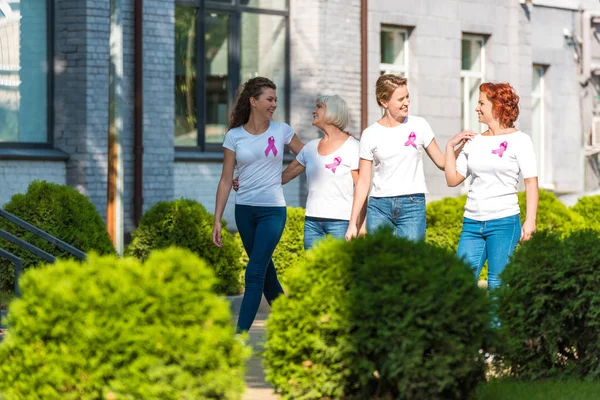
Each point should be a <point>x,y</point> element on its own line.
<point>494,160</point>
<point>255,143</point>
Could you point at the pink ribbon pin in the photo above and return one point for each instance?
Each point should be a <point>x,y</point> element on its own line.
<point>411,140</point>
<point>271,147</point>
<point>500,151</point>
<point>336,163</point>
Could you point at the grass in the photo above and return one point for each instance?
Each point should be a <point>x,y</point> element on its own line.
<point>543,390</point>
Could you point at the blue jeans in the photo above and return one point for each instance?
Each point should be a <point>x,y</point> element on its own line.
<point>494,240</point>
<point>260,229</point>
<point>404,214</point>
<point>316,229</point>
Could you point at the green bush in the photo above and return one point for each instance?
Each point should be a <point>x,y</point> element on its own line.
<point>117,329</point>
<point>61,211</point>
<point>552,214</point>
<point>589,208</point>
<point>378,317</point>
<point>549,308</point>
<point>290,250</point>
<point>444,222</point>
<point>185,223</point>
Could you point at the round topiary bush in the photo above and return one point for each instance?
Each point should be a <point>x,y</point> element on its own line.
<point>549,307</point>
<point>378,317</point>
<point>444,221</point>
<point>117,329</point>
<point>589,208</point>
<point>61,211</point>
<point>185,223</point>
<point>552,214</point>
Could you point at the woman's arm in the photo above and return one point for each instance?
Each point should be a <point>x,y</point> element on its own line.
<point>360,225</point>
<point>296,144</point>
<point>361,191</point>
<point>436,155</point>
<point>292,171</point>
<point>453,177</point>
<point>531,199</point>
<point>223,191</point>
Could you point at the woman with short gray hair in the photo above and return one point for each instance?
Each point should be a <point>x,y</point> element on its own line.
<point>331,165</point>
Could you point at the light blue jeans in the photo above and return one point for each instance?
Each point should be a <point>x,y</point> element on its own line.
<point>316,229</point>
<point>494,240</point>
<point>404,214</point>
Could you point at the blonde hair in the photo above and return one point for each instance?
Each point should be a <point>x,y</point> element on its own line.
<point>385,86</point>
<point>336,112</point>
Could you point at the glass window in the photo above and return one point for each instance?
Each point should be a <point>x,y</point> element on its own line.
<point>23,71</point>
<point>394,50</point>
<point>472,75</point>
<point>238,43</point>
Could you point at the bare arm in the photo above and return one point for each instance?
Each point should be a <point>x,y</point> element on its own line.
<point>361,191</point>
<point>436,155</point>
<point>360,225</point>
<point>292,171</point>
<point>531,199</point>
<point>223,190</point>
<point>296,144</point>
<point>453,177</point>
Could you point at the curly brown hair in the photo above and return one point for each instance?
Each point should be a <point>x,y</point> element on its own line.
<point>505,102</point>
<point>240,113</point>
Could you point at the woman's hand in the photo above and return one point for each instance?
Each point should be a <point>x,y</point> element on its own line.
<point>461,138</point>
<point>352,232</point>
<point>527,230</point>
<point>216,234</point>
<point>236,184</point>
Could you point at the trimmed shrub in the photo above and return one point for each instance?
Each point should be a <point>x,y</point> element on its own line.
<point>552,214</point>
<point>378,317</point>
<point>117,329</point>
<point>549,308</point>
<point>290,250</point>
<point>185,223</point>
<point>589,208</point>
<point>61,211</point>
<point>444,222</point>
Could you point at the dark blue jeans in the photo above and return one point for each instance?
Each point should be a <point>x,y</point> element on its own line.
<point>260,229</point>
<point>404,214</point>
<point>316,229</point>
<point>494,240</point>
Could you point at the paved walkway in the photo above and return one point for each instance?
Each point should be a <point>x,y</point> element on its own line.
<point>256,387</point>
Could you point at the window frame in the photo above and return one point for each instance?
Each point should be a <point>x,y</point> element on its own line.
<point>49,143</point>
<point>386,68</point>
<point>467,75</point>
<point>543,174</point>
<point>234,9</point>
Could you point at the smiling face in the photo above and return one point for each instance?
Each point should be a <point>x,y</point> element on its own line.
<point>398,104</point>
<point>266,104</point>
<point>484,109</point>
<point>319,115</point>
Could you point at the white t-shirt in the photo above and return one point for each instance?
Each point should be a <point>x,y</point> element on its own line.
<point>397,156</point>
<point>329,179</point>
<point>259,162</point>
<point>494,164</point>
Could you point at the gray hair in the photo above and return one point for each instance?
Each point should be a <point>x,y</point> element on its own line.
<point>336,110</point>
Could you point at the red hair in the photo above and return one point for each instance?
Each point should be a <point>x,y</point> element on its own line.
<point>505,102</point>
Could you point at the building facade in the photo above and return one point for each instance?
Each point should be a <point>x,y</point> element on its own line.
<point>127,100</point>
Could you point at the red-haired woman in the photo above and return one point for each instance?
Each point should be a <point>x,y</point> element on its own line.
<point>491,227</point>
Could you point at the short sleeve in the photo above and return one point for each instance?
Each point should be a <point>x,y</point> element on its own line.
<point>461,164</point>
<point>428,134</point>
<point>288,133</point>
<point>526,158</point>
<point>354,157</point>
<point>229,141</point>
<point>365,150</point>
<point>301,157</point>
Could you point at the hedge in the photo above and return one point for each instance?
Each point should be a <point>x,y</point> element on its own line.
<point>589,209</point>
<point>120,329</point>
<point>61,211</point>
<point>185,223</point>
<point>377,317</point>
<point>549,308</point>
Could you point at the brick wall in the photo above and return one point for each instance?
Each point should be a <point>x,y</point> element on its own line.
<point>15,176</point>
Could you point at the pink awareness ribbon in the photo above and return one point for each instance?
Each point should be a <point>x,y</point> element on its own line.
<point>271,147</point>
<point>411,140</point>
<point>500,151</point>
<point>336,163</point>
